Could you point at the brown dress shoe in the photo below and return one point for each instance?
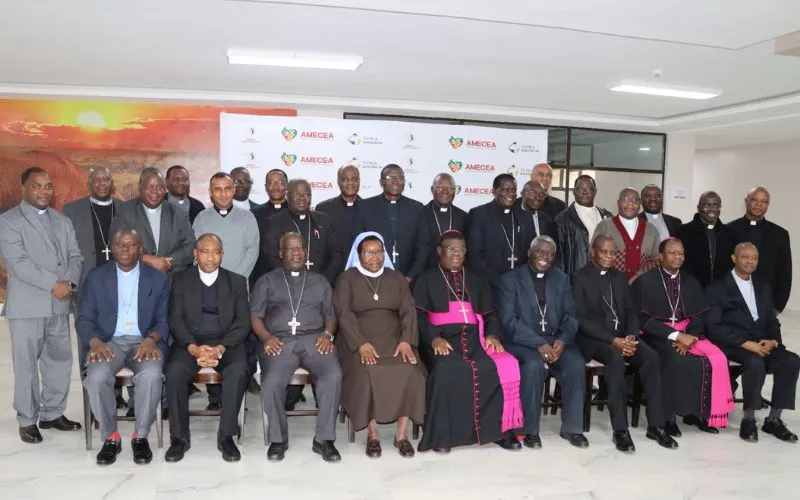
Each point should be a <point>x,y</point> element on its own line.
<point>62,423</point>
<point>373,448</point>
<point>30,434</point>
<point>404,447</point>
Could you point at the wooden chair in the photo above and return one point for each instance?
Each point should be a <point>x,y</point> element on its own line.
<point>211,376</point>
<point>301,376</point>
<point>594,369</point>
<point>735,369</point>
<point>123,378</point>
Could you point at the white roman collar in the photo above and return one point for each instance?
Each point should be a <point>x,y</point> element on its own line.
<point>208,279</point>
<point>105,203</point>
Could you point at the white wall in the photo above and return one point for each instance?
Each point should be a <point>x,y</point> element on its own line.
<point>732,171</point>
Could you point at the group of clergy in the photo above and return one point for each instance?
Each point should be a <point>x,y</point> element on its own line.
<point>400,311</point>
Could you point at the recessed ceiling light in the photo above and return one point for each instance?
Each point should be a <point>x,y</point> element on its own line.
<point>665,90</point>
<point>644,148</point>
<point>295,59</point>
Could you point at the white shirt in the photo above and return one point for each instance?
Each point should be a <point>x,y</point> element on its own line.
<point>590,216</point>
<point>748,293</point>
<point>154,217</point>
<point>208,279</point>
<point>630,225</point>
<point>658,221</point>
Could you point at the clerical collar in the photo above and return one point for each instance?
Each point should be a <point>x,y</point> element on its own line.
<point>299,215</point>
<point>277,205</point>
<point>350,203</point>
<point>208,279</point>
<point>369,273</point>
<point>41,211</point>
<point>671,276</point>
<point>104,203</point>
<point>442,208</point>
<point>754,222</point>
<point>710,226</point>
<point>603,272</point>
<point>153,210</point>
<point>128,273</point>
<point>223,211</point>
<point>652,216</point>
<point>539,275</point>
<point>294,274</point>
<point>178,200</point>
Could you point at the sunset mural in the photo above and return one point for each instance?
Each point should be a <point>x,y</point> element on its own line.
<point>67,138</point>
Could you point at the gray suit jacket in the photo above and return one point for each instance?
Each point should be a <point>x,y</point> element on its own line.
<point>34,264</point>
<point>81,216</point>
<point>176,239</point>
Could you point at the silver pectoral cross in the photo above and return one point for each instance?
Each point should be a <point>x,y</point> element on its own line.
<point>463,311</point>
<point>616,324</point>
<point>106,252</point>
<point>395,255</point>
<point>543,322</point>
<point>512,259</point>
<point>294,324</point>
<point>673,319</point>
<point>309,264</point>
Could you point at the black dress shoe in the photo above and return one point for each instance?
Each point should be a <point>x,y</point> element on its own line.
<point>30,434</point>
<point>177,449</point>
<point>509,442</point>
<point>141,451</point>
<point>193,389</point>
<point>662,437</point>
<point>575,439</point>
<point>130,413</point>
<point>443,451</point>
<point>778,429</point>
<point>213,406</point>
<point>121,402</point>
<point>672,429</point>
<point>108,453</point>
<point>61,424</point>
<point>692,420</point>
<point>404,448</point>
<point>373,449</point>
<point>622,440</point>
<point>165,414</point>
<point>327,450</point>
<point>276,451</point>
<point>532,441</point>
<point>230,453</point>
<point>748,430</point>
<point>253,387</point>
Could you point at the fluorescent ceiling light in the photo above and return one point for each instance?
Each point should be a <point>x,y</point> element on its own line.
<point>665,90</point>
<point>645,148</point>
<point>295,59</point>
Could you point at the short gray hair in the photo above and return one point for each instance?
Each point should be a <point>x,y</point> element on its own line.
<point>542,239</point>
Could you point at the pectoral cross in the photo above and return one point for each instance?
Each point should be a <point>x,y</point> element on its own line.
<point>673,319</point>
<point>395,255</point>
<point>463,311</point>
<point>309,264</point>
<point>616,324</point>
<point>106,252</point>
<point>512,260</point>
<point>543,322</point>
<point>294,324</point>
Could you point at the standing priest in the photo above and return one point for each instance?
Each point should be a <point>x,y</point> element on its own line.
<point>473,385</point>
<point>343,209</point>
<point>399,220</point>
<point>672,306</point>
<point>772,242</point>
<point>440,213</point>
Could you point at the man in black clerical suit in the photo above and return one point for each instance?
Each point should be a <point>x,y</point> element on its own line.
<point>244,184</point>
<point>399,220</point>
<point>324,253</point>
<point>708,242</point>
<point>531,201</point>
<point>542,338</point>
<point>543,174</point>
<point>343,209</point>
<point>743,324</point>
<point>652,212</point>
<point>209,320</point>
<point>772,241</point>
<point>609,333</point>
<point>178,187</point>
<point>440,213</point>
<point>275,186</point>
<point>497,239</point>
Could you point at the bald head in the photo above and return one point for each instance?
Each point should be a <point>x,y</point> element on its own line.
<point>543,173</point>
<point>756,203</point>
<point>349,180</point>
<point>629,203</point>
<point>745,259</point>
<point>443,189</point>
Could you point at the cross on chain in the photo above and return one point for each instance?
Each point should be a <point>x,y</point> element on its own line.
<point>463,311</point>
<point>309,264</point>
<point>106,252</point>
<point>673,319</point>
<point>616,324</point>
<point>512,260</point>
<point>543,322</point>
<point>395,255</point>
<point>294,324</point>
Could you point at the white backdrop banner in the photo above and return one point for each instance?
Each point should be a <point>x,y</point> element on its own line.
<point>314,149</point>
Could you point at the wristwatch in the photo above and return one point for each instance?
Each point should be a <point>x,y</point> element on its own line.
<point>329,335</point>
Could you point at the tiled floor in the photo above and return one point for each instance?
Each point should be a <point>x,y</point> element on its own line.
<point>704,467</point>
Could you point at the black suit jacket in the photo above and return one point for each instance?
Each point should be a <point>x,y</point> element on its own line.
<point>412,238</point>
<point>195,207</point>
<point>673,223</point>
<point>344,218</point>
<point>695,246</point>
<point>262,214</point>
<point>326,252</point>
<point>730,322</point>
<point>594,317</point>
<point>176,239</point>
<point>460,223</point>
<point>774,259</point>
<point>80,213</point>
<point>487,248</point>
<point>553,206</point>
<point>186,303</point>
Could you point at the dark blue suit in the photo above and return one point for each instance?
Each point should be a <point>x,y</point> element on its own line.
<point>522,335</point>
<point>97,315</point>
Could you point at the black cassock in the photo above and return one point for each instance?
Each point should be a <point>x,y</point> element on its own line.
<point>262,213</point>
<point>493,232</point>
<point>686,379</point>
<point>403,229</point>
<point>465,398</point>
<point>344,215</point>
<point>439,219</point>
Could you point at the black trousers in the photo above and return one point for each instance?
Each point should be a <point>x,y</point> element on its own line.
<point>784,366</point>
<point>183,366</point>
<point>645,362</point>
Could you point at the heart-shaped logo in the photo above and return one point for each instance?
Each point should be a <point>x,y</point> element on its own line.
<point>455,166</point>
<point>288,159</point>
<point>456,142</point>
<point>289,133</point>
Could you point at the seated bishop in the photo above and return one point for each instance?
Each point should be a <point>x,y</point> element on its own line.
<point>122,323</point>
<point>542,338</point>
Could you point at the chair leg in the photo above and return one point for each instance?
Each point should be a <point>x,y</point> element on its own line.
<point>587,403</point>
<point>87,419</point>
<point>342,416</point>
<point>264,422</point>
<point>351,431</point>
<point>160,425</point>
<point>415,431</point>
<point>556,399</point>
<point>636,404</point>
<point>240,434</point>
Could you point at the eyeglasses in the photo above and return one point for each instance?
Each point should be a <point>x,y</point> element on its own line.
<point>630,199</point>
<point>371,253</point>
<point>455,250</point>
<point>588,190</point>
<point>394,178</point>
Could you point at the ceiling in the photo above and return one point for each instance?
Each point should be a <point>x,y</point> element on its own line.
<point>513,60</point>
